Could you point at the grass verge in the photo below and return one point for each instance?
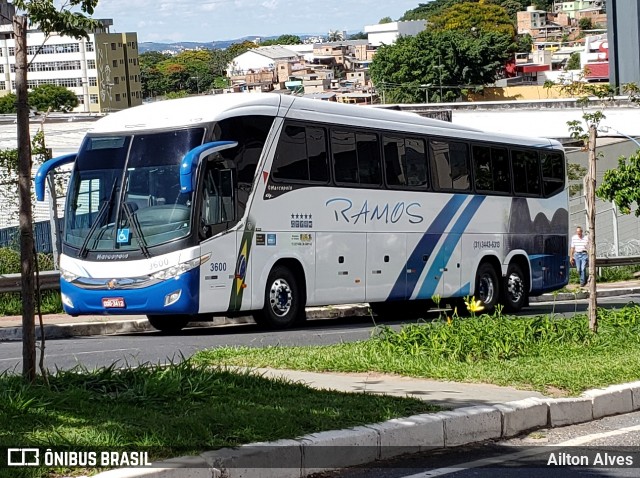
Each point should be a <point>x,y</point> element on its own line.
<point>559,356</point>
<point>171,411</point>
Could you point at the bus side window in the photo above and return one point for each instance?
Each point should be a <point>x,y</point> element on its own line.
<point>450,164</point>
<point>491,169</point>
<point>301,155</point>
<point>526,173</point>
<point>405,162</point>
<point>356,158</point>
<point>552,173</point>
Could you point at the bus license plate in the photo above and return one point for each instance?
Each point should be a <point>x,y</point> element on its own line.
<point>113,302</point>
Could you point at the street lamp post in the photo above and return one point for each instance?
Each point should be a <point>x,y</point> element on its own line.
<point>426,92</point>
<point>197,78</point>
<point>440,68</point>
<point>606,129</point>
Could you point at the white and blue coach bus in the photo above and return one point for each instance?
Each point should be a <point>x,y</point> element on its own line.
<point>264,204</point>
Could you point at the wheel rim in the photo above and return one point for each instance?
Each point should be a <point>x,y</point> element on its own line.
<point>515,287</point>
<point>486,289</point>
<point>280,297</point>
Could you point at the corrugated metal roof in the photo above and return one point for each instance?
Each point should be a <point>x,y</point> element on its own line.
<point>275,52</point>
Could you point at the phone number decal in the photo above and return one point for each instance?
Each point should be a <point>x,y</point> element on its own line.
<point>486,244</point>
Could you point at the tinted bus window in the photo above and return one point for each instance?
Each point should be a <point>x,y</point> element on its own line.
<point>301,155</point>
<point>405,162</point>
<point>356,157</point>
<point>491,169</point>
<point>526,173</point>
<point>552,173</point>
<point>450,165</point>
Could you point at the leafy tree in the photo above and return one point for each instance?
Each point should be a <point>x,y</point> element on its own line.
<point>58,98</point>
<point>283,40</point>
<point>69,19</point>
<point>474,17</point>
<point>445,60</point>
<point>585,23</point>
<point>512,7</point>
<point>8,103</point>
<point>424,11</point>
<point>150,77</point>
<point>385,20</point>
<point>359,36</point>
<point>622,185</point>
<point>237,49</point>
<point>524,43</point>
<point>574,62</point>
<point>335,35</point>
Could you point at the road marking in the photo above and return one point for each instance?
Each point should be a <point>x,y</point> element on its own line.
<point>73,354</point>
<point>594,436</point>
<point>540,449</point>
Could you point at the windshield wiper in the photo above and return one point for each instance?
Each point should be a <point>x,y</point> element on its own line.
<point>101,212</point>
<point>142,243</point>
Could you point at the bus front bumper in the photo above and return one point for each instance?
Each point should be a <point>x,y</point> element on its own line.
<point>178,295</point>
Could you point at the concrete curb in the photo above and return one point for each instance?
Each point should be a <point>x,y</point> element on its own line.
<point>331,450</point>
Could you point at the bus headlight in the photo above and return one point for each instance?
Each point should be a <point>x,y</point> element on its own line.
<point>68,276</point>
<point>66,300</point>
<point>175,271</point>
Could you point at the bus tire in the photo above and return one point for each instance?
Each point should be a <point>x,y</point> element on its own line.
<point>169,323</point>
<point>283,302</point>
<point>515,289</point>
<point>487,287</point>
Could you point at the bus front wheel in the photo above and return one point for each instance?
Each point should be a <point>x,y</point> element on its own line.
<point>487,287</point>
<point>283,302</point>
<point>168,323</point>
<point>515,289</point>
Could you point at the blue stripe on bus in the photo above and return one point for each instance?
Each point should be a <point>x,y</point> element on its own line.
<point>428,288</point>
<point>464,291</point>
<point>406,283</point>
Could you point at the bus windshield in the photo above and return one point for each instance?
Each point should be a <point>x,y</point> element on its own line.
<point>125,192</point>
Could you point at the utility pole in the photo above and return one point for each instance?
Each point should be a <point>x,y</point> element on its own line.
<point>591,218</point>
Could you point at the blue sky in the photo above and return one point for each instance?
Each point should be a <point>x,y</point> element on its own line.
<point>209,20</point>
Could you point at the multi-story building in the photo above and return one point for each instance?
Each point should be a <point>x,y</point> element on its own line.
<point>388,33</point>
<point>573,8</point>
<point>103,70</point>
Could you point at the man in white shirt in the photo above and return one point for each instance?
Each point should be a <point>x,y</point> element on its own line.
<point>578,255</point>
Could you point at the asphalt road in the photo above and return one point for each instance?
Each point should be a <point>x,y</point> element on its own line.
<point>573,451</point>
<point>154,347</point>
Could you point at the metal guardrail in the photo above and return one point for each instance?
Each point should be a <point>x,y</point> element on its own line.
<point>12,282</point>
<point>51,279</point>
<point>617,261</point>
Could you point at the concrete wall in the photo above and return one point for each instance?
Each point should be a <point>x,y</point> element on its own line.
<point>529,92</point>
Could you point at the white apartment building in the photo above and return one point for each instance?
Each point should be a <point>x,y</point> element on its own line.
<point>388,33</point>
<point>103,71</point>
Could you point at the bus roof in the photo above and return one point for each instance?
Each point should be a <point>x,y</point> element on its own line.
<point>204,109</point>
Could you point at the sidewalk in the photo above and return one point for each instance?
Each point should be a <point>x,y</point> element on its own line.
<point>58,326</point>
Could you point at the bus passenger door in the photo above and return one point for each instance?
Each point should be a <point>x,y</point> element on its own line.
<point>217,216</point>
<point>386,275</point>
<point>340,267</point>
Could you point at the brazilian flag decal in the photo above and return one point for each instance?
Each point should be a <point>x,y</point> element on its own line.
<point>241,268</point>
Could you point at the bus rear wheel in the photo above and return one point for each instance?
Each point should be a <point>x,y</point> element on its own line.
<point>283,301</point>
<point>515,289</point>
<point>487,287</point>
<point>169,323</point>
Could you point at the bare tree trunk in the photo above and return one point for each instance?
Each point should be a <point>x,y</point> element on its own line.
<point>591,218</point>
<point>24,194</point>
